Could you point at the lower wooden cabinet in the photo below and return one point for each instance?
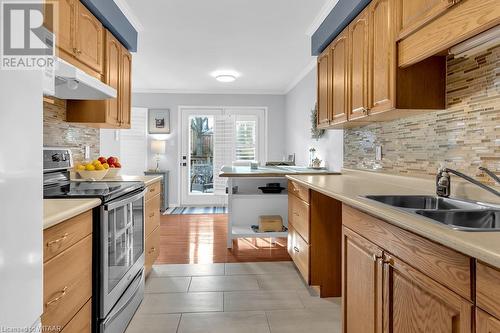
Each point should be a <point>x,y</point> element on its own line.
<point>152,226</point>
<point>486,323</point>
<point>82,321</point>
<point>362,284</point>
<point>392,295</point>
<point>67,275</point>
<point>298,249</point>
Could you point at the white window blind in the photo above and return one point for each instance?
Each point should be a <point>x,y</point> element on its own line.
<point>246,140</point>
<point>133,144</point>
<point>223,149</point>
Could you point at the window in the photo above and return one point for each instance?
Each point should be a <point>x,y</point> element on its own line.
<point>246,140</point>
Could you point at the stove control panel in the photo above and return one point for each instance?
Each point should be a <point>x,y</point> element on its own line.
<point>57,159</point>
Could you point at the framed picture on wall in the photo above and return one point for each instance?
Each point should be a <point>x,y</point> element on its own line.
<point>159,121</point>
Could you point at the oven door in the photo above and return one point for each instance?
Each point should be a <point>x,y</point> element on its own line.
<point>122,247</point>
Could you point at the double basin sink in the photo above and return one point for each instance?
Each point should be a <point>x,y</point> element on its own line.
<point>455,213</point>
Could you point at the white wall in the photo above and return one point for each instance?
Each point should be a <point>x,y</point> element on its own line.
<point>21,204</point>
<point>170,161</point>
<point>299,103</point>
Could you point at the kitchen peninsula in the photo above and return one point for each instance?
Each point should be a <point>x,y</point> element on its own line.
<point>246,202</point>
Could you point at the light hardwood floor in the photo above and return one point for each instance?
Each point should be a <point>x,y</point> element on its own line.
<point>201,239</point>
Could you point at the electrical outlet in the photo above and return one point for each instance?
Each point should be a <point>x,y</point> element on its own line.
<point>378,153</point>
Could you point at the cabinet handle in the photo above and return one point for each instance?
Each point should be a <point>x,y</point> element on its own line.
<point>296,249</point>
<point>377,257</point>
<point>58,298</point>
<point>153,249</point>
<point>296,214</point>
<point>56,241</point>
<point>152,214</point>
<point>151,190</point>
<point>365,111</point>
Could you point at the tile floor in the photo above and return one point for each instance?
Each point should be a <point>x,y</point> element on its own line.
<point>267,297</point>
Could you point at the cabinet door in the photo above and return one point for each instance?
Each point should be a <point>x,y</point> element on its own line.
<point>89,39</point>
<point>112,74</point>
<point>358,54</point>
<point>414,302</point>
<point>412,14</point>
<point>125,89</point>
<point>382,56</point>
<point>486,323</point>
<point>65,25</point>
<point>324,82</point>
<point>362,284</point>
<point>339,52</point>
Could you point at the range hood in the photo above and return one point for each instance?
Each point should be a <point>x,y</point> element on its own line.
<point>477,44</point>
<point>69,82</point>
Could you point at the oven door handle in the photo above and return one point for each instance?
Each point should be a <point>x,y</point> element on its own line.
<point>129,296</point>
<point>125,201</point>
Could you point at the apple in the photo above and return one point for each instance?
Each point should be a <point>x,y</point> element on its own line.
<point>102,160</point>
<point>111,166</point>
<point>111,160</point>
<point>117,165</point>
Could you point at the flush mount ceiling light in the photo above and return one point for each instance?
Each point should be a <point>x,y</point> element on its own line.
<point>225,76</point>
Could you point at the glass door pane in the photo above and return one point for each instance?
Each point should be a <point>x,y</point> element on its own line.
<point>201,155</point>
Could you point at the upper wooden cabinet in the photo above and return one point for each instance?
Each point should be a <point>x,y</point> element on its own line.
<point>324,84</point>
<point>430,27</point>
<point>412,14</point>
<point>109,113</point>
<point>339,53</point>
<point>382,60</point>
<point>89,35</point>
<point>79,37</point>
<point>358,74</point>
<point>366,83</point>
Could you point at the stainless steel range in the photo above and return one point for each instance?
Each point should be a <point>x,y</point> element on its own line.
<point>118,236</point>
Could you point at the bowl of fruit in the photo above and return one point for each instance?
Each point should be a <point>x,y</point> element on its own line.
<point>94,170</point>
<point>114,166</point>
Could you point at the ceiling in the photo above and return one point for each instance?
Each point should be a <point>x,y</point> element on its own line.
<point>181,42</point>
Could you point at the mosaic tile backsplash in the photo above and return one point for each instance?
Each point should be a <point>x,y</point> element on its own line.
<point>58,133</point>
<point>464,136</point>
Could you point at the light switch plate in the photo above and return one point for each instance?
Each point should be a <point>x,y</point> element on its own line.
<point>378,153</point>
<point>87,152</point>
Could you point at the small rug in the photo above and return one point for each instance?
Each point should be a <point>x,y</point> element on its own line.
<point>195,210</point>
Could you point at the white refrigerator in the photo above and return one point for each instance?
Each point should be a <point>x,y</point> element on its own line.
<point>21,199</point>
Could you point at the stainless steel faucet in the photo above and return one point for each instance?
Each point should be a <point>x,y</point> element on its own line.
<point>443,181</point>
<point>491,174</point>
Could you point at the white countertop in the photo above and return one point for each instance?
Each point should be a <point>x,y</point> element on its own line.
<point>59,210</point>
<point>351,185</point>
<point>271,171</point>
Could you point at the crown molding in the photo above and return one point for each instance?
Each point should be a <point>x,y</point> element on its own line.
<point>323,13</point>
<point>127,11</point>
<point>301,75</point>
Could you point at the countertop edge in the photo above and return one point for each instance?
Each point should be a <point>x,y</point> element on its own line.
<point>67,214</point>
<point>376,210</point>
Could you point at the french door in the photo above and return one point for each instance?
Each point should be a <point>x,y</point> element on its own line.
<point>211,138</point>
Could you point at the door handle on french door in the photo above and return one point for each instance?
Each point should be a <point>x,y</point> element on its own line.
<point>184,158</point>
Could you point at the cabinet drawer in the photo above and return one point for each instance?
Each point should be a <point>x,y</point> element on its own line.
<point>152,249</point>
<point>298,216</point>
<point>298,190</point>
<point>446,266</point>
<point>152,214</point>
<point>67,283</point>
<point>63,235</point>
<point>488,288</point>
<point>153,189</point>
<point>299,251</point>
<point>82,322</point>
<point>486,323</point>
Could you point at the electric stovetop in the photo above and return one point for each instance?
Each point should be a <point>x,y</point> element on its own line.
<point>106,191</point>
